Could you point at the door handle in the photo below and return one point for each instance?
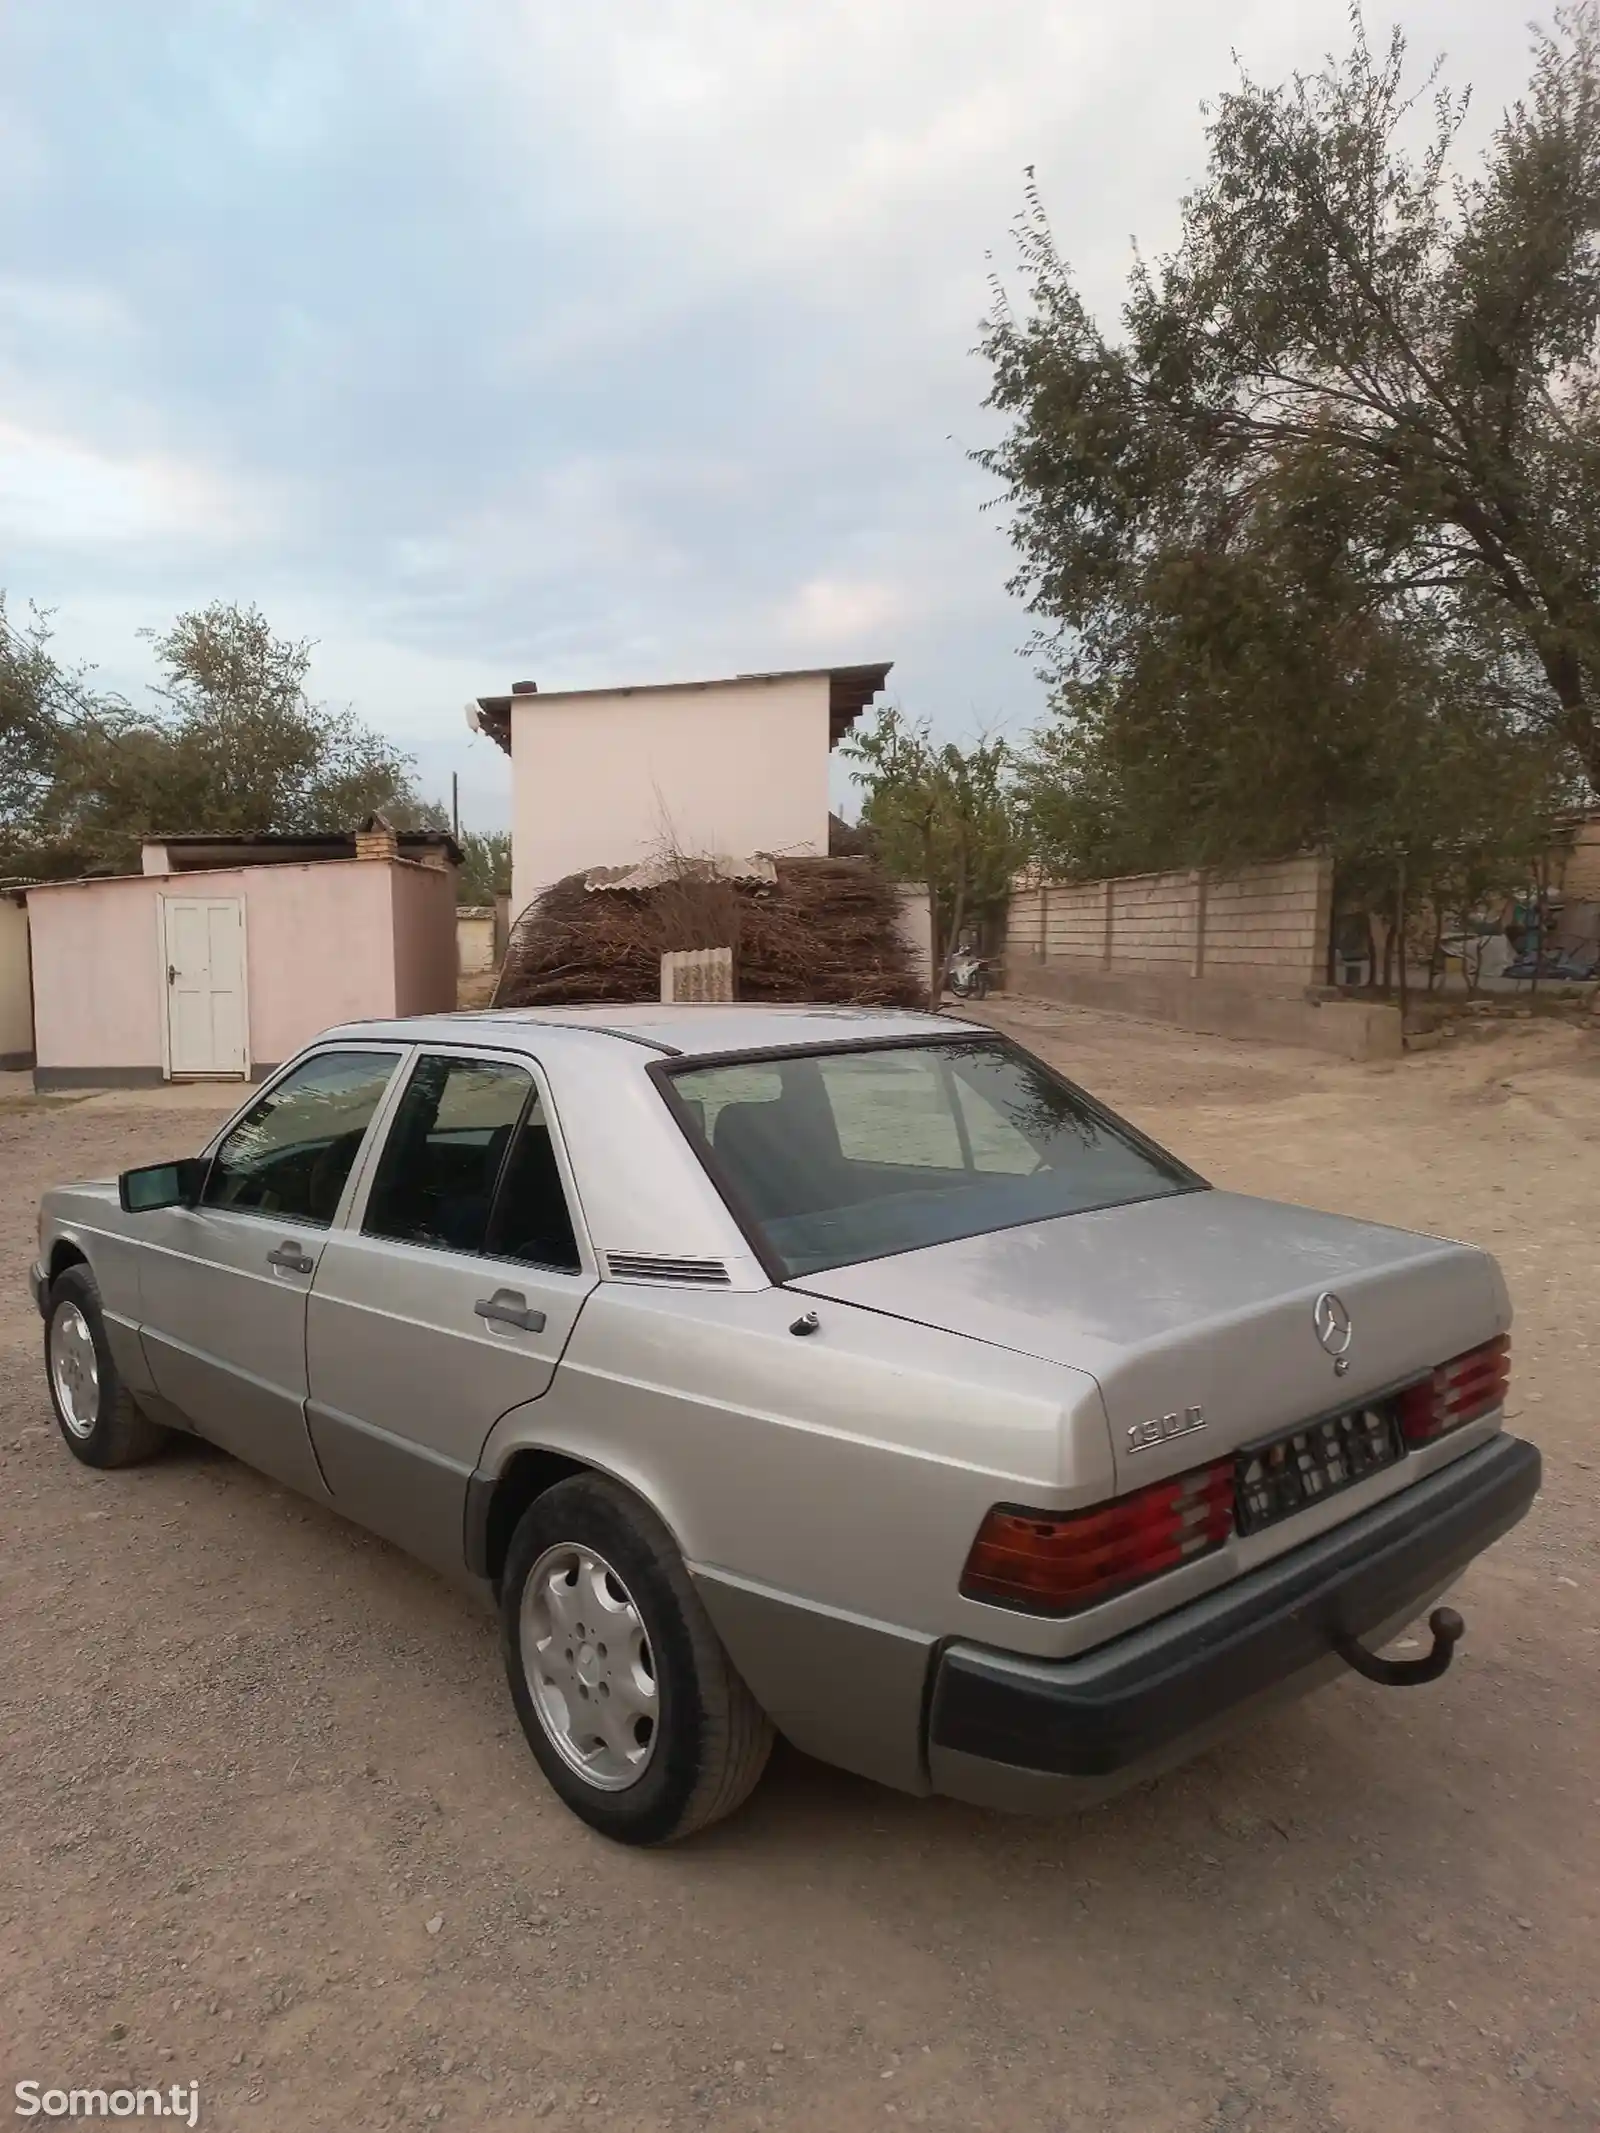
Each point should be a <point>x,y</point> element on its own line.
<point>292,1260</point>
<point>509,1307</point>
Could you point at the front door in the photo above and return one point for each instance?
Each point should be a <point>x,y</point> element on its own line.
<point>203,949</point>
<point>449,1304</point>
<point>223,1286</point>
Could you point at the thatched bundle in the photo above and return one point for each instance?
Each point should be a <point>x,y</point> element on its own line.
<point>825,930</point>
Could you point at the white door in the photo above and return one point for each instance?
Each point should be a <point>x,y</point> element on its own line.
<point>203,948</point>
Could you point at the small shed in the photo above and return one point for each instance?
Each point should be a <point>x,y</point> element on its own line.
<point>222,957</point>
<point>16,990</point>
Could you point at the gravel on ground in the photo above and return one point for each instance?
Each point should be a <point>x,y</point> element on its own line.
<point>269,1826</point>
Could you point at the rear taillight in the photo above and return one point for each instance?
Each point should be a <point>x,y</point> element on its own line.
<point>1456,1393</point>
<point>1054,1563</point>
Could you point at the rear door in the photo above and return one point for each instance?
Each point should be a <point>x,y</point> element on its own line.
<point>447,1300</point>
<point>223,1286</point>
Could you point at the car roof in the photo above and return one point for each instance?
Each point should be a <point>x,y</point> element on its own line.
<point>675,1028</point>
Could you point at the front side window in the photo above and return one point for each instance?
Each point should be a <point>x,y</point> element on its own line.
<point>842,1156</point>
<point>292,1152</point>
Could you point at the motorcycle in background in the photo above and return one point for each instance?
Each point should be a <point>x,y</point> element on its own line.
<point>968,975</point>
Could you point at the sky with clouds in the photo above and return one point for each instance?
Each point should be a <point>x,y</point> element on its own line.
<point>611,342</point>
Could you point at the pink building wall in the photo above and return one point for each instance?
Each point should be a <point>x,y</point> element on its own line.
<point>424,938</point>
<point>335,941</point>
<point>97,977</point>
<point>16,987</point>
<point>319,944</point>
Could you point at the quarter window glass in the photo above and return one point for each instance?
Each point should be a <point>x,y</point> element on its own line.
<point>445,1151</point>
<point>532,1221</point>
<point>292,1152</point>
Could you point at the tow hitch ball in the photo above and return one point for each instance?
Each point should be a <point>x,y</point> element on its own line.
<point>1447,1627</point>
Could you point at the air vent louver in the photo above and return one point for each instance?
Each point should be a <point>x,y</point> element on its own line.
<point>658,1266</point>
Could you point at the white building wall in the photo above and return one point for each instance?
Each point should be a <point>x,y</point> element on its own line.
<point>606,779</point>
<point>474,940</point>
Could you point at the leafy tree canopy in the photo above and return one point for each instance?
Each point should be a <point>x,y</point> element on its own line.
<point>29,727</point>
<point>485,866</point>
<point>1314,543</point>
<point>1253,700</point>
<point>233,747</point>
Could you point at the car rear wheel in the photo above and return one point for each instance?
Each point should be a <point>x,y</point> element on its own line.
<point>628,1699</point>
<point>101,1421</point>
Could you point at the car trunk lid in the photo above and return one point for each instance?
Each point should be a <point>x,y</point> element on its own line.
<point>1197,1314</point>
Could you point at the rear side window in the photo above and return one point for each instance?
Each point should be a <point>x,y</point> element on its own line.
<point>292,1152</point>
<point>446,1149</point>
<point>470,1166</point>
<point>532,1222</point>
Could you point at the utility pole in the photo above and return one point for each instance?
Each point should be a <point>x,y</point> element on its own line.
<point>455,806</point>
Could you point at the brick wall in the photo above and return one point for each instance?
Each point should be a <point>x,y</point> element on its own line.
<point>1060,919</point>
<point>1075,920</point>
<point>1154,921</point>
<point>1264,925</point>
<point>1271,919</point>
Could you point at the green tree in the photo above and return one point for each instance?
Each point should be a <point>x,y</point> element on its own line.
<point>938,814</point>
<point>47,713</point>
<point>485,866</point>
<point>29,730</point>
<point>1411,350</point>
<point>1254,698</point>
<point>235,747</point>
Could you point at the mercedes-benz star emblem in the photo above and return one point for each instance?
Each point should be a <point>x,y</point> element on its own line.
<point>1333,1328</point>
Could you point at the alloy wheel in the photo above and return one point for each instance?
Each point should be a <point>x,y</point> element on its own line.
<point>589,1666</point>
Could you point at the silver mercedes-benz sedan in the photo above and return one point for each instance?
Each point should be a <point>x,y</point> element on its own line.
<point>842,1373</point>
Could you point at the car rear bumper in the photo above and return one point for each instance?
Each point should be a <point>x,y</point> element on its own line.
<point>1010,1731</point>
<point>39,1284</point>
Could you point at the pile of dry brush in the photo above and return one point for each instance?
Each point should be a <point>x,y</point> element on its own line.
<point>825,931</point>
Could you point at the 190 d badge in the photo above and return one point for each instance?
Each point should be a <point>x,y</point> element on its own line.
<point>1141,1435</point>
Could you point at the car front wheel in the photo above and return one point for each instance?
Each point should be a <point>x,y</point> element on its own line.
<point>628,1699</point>
<point>101,1421</point>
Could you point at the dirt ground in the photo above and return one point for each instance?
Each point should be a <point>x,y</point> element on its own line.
<point>247,1756</point>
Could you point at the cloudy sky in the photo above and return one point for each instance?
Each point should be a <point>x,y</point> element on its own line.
<point>615,341</point>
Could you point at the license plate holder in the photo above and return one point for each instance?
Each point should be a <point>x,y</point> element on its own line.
<point>1287,1474</point>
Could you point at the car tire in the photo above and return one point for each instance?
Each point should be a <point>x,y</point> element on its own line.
<point>645,1682</point>
<point>101,1421</point>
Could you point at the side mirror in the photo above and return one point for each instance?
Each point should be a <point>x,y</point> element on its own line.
<point>155,1185</point>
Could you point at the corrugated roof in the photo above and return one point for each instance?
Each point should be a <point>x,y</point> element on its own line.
<point>292,844</point>
<point>654,873</point>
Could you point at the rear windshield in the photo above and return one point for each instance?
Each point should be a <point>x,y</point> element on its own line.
<point>840,1156</point>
